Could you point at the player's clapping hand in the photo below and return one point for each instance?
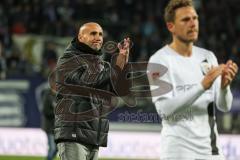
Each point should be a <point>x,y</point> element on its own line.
<point>229,73</point>
<point>124,48</point>
<point>211,76</point>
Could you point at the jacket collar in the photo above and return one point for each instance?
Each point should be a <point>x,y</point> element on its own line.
<point>84,48</point>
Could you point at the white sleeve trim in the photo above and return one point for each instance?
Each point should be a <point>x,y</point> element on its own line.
<point>224,99</point>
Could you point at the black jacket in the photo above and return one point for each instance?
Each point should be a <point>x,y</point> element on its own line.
<point>83,78</point>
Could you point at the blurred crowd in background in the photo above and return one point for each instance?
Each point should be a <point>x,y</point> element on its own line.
<point>141,20</point>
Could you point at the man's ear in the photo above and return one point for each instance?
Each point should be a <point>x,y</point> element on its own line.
<point>80,37</point>
<point>170,27</point>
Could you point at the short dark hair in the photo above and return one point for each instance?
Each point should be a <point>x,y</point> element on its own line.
<point>173,5</point>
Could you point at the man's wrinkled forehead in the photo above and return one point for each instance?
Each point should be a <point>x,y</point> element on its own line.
<point>90,27</point>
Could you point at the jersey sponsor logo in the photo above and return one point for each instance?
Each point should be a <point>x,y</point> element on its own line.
<point>185,87</point>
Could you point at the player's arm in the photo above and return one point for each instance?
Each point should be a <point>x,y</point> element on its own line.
<point>119,69</point>
<point>170,106</point>
<point>224,96</point>
<point>123,55</point>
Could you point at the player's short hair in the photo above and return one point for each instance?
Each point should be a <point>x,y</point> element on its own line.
<point>173,5</point>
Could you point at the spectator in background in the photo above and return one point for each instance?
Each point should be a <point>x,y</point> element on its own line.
<point>2,63</point>
<point>46,99</point>
<point>49,57</point>
<point>48,102</point>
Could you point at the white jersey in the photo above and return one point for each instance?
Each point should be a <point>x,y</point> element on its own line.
<point>189,129</point>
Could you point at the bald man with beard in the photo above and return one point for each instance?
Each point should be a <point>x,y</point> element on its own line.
<point>80,123</point>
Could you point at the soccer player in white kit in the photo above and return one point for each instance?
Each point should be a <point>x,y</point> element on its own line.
<point>198,85</point>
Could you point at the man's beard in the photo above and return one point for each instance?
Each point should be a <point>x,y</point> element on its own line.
<point>185,40</point>
<point>95,48</point>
